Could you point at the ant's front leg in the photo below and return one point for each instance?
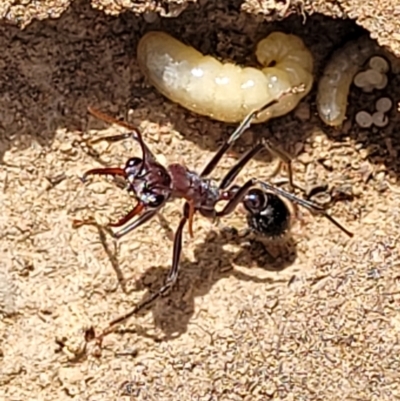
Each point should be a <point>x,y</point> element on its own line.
<point>142,219</point>
<point>169,282</point>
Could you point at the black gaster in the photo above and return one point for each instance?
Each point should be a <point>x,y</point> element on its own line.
<point>272,219</point>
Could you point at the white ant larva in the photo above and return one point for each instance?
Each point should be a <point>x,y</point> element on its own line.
<point>225,91</point>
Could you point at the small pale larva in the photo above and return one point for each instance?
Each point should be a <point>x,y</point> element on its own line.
<point>225,91</point>
<point>334,85</point>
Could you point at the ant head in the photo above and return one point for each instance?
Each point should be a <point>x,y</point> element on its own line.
<point>149,181</point>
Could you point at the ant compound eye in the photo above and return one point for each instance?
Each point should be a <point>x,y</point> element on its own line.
<point>133,162</point>
<point>156,200</point>
<point>133,166</point>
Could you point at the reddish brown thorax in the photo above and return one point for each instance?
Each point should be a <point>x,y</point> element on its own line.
<point>180,179</point>
<point>202,192</point>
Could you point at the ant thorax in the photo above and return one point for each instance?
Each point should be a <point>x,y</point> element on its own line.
<point>187,184</point>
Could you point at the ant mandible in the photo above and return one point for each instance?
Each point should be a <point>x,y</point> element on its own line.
<point>153,185</point>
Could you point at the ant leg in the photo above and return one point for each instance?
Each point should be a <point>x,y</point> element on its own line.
<point>243,126</point>
<point>304,203</point>
<point>114,171</point>
<point>112,138</point>
<point>169,283</point>
<point>144,218</point>
<point>134,212</point>
<point>240,193</point>
<point>237,168</point>
<point>134,133</point>
<point>250,154</point>
<point>236,198</point>
<point>110,120</point>
<point>190,214</point>
<point>285,159</point>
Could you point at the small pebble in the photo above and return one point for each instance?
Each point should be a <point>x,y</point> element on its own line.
<point>65,147</point>
<point>150,17</point>
<point>364,153</point>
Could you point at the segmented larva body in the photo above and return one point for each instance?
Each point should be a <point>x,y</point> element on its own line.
<point>338,75</point>
<point>225,91</point>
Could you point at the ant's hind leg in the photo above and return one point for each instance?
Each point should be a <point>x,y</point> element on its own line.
<point>313,207</point>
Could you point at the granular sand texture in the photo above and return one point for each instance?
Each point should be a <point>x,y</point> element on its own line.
<point>316,321</point>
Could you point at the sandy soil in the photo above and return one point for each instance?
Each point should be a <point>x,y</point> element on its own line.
<point>319,323</point>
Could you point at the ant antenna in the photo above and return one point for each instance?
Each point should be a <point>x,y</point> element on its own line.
<point>135,133</point>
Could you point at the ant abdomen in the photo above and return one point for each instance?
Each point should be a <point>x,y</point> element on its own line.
<point>267,214</point>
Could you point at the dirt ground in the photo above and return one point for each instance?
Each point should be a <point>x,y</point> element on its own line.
<point>318,323</point>
<point>379,17</point>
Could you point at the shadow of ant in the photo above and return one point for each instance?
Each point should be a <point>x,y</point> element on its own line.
<point>173,312</point>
